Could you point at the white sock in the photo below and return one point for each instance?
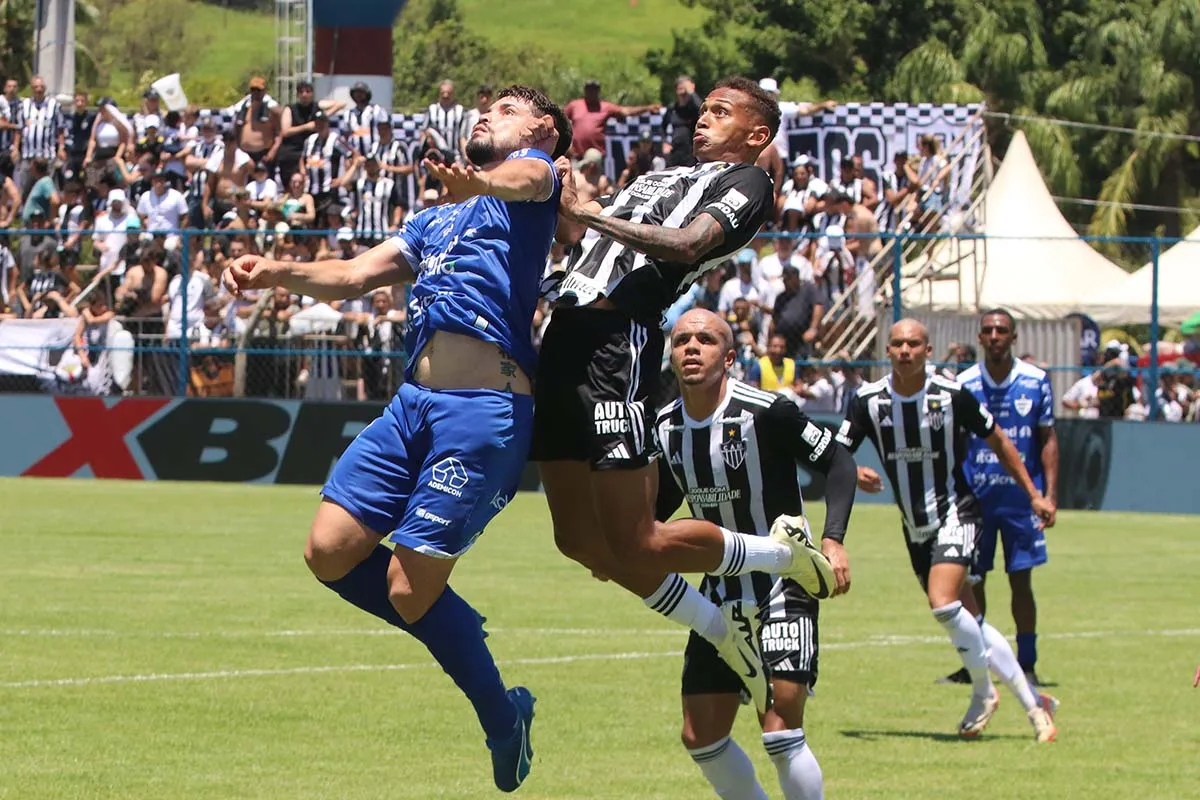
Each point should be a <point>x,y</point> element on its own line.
<point>728,769</point>
<point>799,773</point>
<point>1003,662</point>
<point>967,637</point>
<point>744,553</point>
<point>680,602</point>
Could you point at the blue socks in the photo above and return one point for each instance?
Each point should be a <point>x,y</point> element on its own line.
<point>366,587</point>
<point>451,630</point>
<point>1027,650</point>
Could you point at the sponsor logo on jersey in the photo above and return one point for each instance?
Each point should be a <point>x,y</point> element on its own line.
<point>733,448</point>
<point>811,434</point>
<point>449,476</point>
<point>1023,405</point>
<point>611,417</point>
<point>676,459</point>
<point>703,496</point>
<point>912,454</point>
<point>499,500</point>
<point>432,517</point>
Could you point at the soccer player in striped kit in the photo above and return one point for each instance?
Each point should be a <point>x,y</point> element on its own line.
<point>919,423</point>
<point>732,451</point>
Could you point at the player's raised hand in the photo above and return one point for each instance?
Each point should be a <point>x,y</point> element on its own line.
<point>246,273</point>
<point>569,203</point>
<point>836,553</point>
<point>1045,511</point>
<point>869,480</point>
<point>462,181</point>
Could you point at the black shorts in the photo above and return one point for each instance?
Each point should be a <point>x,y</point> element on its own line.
<point>788,638</point>
<point>951,544</point>
<point>597,377</point>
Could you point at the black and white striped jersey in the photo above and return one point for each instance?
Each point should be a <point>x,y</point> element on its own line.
<point>324,161</point>
<point>448,124</point>
<point>360,126</point>
<point>8,113</point>
<point>738,469</point>
<point>40,125</point>
<point>852,189</point>
<point>739,196</point>
<point>205,150</point>
<point>922,442</point>
<point>373,202</point>
<point>395,154</point>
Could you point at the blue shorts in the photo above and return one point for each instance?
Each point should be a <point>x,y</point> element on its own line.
<point>432,471</point>
<point>1023,538</point>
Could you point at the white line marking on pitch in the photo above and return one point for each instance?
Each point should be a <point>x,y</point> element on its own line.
<point>878,641</point>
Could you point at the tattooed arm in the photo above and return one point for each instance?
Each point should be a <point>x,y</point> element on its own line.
<point>678,245</point>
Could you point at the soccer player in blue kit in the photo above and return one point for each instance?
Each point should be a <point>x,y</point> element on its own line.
<point>1020,398</point>
<point>447,453</point>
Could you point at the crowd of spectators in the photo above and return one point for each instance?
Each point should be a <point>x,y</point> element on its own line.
<point>314,180</point>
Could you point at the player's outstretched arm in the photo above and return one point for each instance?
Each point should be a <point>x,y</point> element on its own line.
<point>1010,459</point>
<point>382,265</point>
<point>677,245</point>
<point>515,180</point>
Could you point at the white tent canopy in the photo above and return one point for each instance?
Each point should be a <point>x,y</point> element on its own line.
<point>1033,263</point>
<point>1178,288</point>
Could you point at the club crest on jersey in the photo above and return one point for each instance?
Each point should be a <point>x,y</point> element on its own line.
<point>1023,405</point>
<point>733,448</point>
<point>935,414</point>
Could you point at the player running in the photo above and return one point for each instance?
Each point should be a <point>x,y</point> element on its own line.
<point>919,423</point>
<point>1019,397</point>
<point>732,451</point>
<point>599,367</point>
<point>448,451</point>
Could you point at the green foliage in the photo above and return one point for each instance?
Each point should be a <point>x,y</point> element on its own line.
<point>433,43</point>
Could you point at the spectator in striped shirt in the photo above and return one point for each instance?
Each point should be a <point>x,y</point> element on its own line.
<point>394,160</point>
<point>444,123</point>
<point>9,103</point>
<point>360,123</point>
<point>324,154</point>
<point>40,135</point>
<point>372,200</point>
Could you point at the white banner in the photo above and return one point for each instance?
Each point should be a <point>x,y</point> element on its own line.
<point>26,345</point>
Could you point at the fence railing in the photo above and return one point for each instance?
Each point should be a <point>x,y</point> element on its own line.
<point>212,346</point>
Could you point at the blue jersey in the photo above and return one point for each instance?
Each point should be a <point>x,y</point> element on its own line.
<point>1021,404</point>
<point>479,265</point>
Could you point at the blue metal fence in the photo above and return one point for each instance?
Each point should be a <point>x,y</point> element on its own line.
<point>890,266</point>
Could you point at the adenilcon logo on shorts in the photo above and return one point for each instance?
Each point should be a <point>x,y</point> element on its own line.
<point>449,476</point>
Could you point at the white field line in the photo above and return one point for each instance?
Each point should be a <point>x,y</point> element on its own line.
<point>879,641</point>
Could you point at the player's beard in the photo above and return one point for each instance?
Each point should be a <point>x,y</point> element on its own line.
<point>481,151</point>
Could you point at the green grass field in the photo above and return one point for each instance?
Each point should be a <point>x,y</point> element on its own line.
<point>165,641</point>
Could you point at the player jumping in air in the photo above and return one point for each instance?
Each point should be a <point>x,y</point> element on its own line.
<point>732,451</point>
<point>599,367</point>
<point>919,423</point>
<point>448,451</point>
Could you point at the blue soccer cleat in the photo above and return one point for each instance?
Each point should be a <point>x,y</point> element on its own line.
<point>512,757</point>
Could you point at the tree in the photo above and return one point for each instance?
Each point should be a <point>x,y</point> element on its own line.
<point>17,20</point>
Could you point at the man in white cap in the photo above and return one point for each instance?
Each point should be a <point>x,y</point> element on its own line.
<point>591,180</point>
<point>111,232</point>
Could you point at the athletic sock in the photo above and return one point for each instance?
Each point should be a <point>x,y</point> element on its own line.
<point>967,637</point>
<point>727,767</point>
<point>682,603</point>
<point>366,586</point>
<point>1004,664</point>
<point>453,633</point>
<point>745,553</point>
<point>1027,651</point>
<point>799,773</point>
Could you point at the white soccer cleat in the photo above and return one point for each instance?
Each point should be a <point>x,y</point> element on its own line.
<point>809,567</point>
<point>740,650</point>
<point>1044,729</point>
<point>979,714</point>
